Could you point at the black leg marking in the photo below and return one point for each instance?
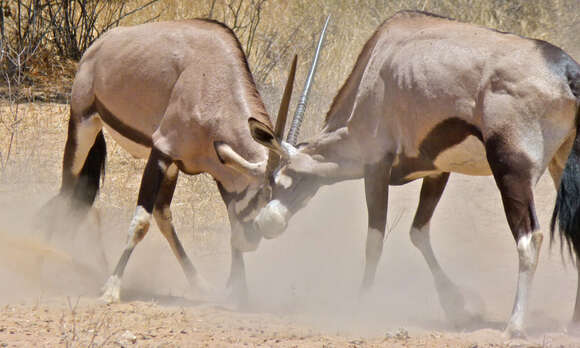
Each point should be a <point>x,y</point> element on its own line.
<point>431,192</point>
<point>151,184</point>
<point>148,191</point>
<point>237,278</point>
<point>512,171</point>
<point>163,217</point>
<point>450,297</point>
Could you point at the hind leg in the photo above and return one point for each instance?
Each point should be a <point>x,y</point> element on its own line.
<point>69,204</point>
<point>151,184</point>
<point>558,162</point>
<point>82,132</point>
<point>515,173</point>
<point>450,297</point>
<point>94,219</point>
<point>163,217</point>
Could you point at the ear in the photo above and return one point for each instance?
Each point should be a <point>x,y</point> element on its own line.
<point>265,136</point>
<point>230,158</point>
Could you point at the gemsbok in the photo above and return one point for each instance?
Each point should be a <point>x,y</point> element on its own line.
<point>428,96</point>
<point>180,94</point>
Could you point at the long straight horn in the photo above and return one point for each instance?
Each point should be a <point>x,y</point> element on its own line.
<point>292,137</point>
<point>273,158</point>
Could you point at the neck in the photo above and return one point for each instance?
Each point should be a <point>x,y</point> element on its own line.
<point>336,156</point>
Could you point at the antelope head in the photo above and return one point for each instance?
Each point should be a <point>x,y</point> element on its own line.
<point>246,205</point>
<point>292,173</point>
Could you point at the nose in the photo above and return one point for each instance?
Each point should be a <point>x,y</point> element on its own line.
<point>271,221</point>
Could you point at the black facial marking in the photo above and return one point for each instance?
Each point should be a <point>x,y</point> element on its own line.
<point>250,233</point>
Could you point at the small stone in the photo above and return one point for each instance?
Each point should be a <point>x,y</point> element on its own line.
<point>129,336</point>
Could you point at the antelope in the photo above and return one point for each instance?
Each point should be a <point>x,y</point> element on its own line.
<point>179,94</point>
<point>428,96</point>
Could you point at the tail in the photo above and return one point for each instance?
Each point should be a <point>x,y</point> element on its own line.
<point>567,209</point>
<point>89,181</point>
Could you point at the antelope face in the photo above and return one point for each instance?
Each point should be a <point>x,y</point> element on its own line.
<point>292,188</point>
<point>293,182</point>
<point>266,205</point>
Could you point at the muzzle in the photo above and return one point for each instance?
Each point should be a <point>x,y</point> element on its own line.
<point>272,219</point>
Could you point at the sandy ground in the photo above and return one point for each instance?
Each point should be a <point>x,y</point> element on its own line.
<point>303,285</point>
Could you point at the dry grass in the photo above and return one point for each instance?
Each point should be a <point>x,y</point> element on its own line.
<point>39,129</point>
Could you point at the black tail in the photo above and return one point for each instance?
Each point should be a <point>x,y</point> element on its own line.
<point>89,180</point>
<point>567,209</point>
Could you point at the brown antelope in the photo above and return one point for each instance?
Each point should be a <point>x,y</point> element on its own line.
<point>428,96</point>
<point>180,94</point>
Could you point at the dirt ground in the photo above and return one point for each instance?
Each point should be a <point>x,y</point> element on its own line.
<point>303,285</point>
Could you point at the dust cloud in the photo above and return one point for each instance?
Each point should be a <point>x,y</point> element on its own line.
<point>31,267</point>
<point>313,271</point>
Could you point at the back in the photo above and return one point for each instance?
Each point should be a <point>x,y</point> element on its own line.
<point>419,70</point>
<point>130,65</point>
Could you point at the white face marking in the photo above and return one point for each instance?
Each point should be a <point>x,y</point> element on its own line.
<point>283,180</point>
<point>272,220</point>
<point>289,148</point>
<point>241,205</point>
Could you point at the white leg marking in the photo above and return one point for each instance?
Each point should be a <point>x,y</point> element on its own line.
<point>373,251</point>
<point>137,230</point>
<point>449,295</point>
<point>528,251</point>
<point>112,290</point>
<point>374,247</point>
<point>139,226</point>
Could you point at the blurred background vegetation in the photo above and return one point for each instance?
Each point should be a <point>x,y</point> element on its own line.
<point>41,40</point>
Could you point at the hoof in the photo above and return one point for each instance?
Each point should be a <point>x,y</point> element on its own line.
<point>573,328</point>
<point>515,333</point>
<point>201,287</point>
<point>112,290</point>
<point>237,295</point>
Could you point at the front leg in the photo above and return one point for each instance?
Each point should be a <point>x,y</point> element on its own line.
<point>237,280</point>
<point>150,185</point>
<point>450,296</point>
<point>377,177</point>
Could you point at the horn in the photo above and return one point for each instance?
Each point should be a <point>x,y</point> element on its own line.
<point>273,158</point>
<point>292,137</point>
